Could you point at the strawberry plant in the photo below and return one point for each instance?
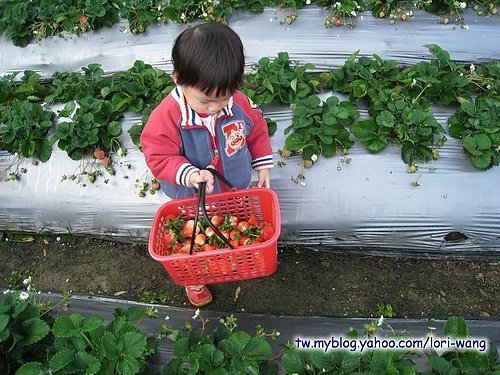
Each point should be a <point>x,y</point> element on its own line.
<point>7,86</point>
<point>441,80</point>
<point>449,9</point>
<point>30,87</point>
<point>395,9</point>
<point>280,79</point>
<point>135,130</point>
<point>221,351</point>
<point>140,85</point>
<point>139,13</point>
<point>185,11</point>
<point>486,7</point>
<point>16,17</point>
<point>25,128</point>
<point>66,86</point>
<point>99,13</point>
<point>93,125</point>
<point>396,119</point>
<point>463,361</point>
<point>25,20</point>
<point>476,124</point>
<point>53,18</point>
<point>86,345</point>
<point>342,13</point>
<point>24,332</point>
<point>485,77</point>
<point>319,128</point>
<point>361,77</point>
<point>272,126</point>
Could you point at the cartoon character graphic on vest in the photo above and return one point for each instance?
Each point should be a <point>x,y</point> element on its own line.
<point>235,136</point>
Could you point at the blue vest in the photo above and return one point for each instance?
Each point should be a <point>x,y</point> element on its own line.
<point>234,162</point>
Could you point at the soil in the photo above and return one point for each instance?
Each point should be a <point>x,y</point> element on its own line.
<point>307,282</point>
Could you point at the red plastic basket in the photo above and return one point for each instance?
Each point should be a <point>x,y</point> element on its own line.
<point>223,265</point>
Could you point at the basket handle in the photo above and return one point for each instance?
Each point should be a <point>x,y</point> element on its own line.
<point>200,203</point>
<point>216,173</point>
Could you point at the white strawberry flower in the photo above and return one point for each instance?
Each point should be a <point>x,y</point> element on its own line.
<point>24,296</point>
<point>314,157</point>
<point>380,321</point>
<point>196,314</point>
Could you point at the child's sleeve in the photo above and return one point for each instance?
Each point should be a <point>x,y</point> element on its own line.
<point>161,145</point>
<point>258,140</point>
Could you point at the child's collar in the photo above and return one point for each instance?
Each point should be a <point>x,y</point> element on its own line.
<point>189,116</point>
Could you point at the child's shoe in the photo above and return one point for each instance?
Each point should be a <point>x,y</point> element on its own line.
<point>198,295</point>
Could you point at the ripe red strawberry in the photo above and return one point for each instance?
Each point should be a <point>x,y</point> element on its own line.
<point>245,240</point>
<point>252,221</point>
<point>188,229</point>
<point>200,239</point>
<point>155,185</point>
<point>209,232</point>
<point>242,226</point>
<point>99,154</point>
<point>83,20</point>
<point>233,221</point>
<point>168,238</point>
<point>267,231</point>
<point>217,220</point>
<point>234,243</point>
<point>338,22</point>
<point>208,247</point>
<point>235,234</point>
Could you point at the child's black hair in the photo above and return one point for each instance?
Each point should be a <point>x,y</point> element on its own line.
<point>209,56</point>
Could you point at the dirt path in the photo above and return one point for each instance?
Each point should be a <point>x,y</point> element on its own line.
<point>306,283</point>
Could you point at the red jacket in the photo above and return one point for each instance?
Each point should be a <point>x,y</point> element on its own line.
<point>176,143</point>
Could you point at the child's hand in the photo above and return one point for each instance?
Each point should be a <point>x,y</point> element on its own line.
<point>264,178</point>
<point>203,176</point>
